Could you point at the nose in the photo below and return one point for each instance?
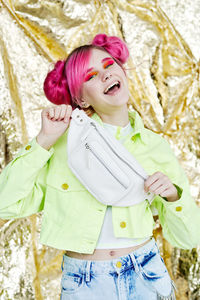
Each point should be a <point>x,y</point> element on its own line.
<point>107,75</point>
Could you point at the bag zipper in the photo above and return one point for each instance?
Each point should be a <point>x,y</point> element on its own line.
<point>90,149</point>
<point>94,125</point>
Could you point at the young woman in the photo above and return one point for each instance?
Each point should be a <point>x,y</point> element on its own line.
<point>109,251</point>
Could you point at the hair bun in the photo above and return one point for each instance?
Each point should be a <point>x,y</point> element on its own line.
<point>113,45</point>
<point>100,40</point>
<point>55,85</point>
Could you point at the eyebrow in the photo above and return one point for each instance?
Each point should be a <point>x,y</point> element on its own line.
<point>104,59</point>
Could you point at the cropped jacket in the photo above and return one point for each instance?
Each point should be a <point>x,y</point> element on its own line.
<point>39,180</point>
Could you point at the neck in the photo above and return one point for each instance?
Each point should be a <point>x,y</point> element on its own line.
<point>117,118</point>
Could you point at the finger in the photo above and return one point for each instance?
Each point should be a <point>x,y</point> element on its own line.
<point>51,112</point>
<point>171,190</point>
<point>152,178</point>
<point>165,193</point>
<point>62,112</point>
<point>162,181</point>
<point>149,181</point>
<point>161,189</point>
<point>57,111</point>
<point>68,113</point>
<point>154,188</point>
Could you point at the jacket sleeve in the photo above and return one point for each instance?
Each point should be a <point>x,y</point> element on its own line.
<point>180,220</point>
<point>23,182</point>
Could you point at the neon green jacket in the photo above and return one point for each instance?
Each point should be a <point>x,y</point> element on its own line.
<point>40,180</point>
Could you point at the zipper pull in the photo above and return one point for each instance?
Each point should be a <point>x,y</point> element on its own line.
<point>93,125</point>
<point>87,151</point>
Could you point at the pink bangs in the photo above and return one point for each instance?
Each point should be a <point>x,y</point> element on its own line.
<point>76,67</point>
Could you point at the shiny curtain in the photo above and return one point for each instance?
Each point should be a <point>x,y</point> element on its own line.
<point>164,42</point>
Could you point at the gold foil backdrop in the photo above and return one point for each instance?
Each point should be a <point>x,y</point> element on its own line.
<point>164,42</point>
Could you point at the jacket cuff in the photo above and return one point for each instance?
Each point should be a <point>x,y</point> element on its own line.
<point>179,206</point>
<point>33,149</point>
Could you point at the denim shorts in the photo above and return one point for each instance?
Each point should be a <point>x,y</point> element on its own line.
<point>140,275</point>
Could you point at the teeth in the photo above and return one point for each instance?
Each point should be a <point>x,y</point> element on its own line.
<point>114,83</point>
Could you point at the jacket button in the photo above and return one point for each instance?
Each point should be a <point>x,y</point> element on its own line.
<point>178,208</point>
<point>123,224</point>
<point>65,186</point>
<point>28,147</point>
<point>118,264</point>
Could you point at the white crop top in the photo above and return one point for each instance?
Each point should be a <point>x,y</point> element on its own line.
<point>107,239</point>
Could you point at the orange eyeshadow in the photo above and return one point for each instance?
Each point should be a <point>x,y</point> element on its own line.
<point>108,62</point>
<point>89,76</point>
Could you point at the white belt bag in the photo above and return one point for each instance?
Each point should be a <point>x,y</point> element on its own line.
<point>103,165</point>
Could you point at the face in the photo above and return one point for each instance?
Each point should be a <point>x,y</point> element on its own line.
<point>105,85</point>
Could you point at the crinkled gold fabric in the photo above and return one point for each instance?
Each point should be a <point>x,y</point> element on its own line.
<point>164,42</point>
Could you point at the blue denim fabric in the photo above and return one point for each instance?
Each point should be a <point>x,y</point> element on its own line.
<point>142,276</point>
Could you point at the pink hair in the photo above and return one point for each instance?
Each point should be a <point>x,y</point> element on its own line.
<point>63,84</point>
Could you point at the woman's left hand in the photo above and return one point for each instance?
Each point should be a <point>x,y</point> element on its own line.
<point>161,185</point>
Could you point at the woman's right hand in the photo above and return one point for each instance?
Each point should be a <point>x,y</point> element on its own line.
<point>55,121</point>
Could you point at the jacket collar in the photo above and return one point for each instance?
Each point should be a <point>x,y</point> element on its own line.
<point>136,123</point>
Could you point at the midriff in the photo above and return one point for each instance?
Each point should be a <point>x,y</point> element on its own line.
<point>104,254</point>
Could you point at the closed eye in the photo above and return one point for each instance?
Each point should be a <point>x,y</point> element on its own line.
<point>108,63</point>
<point>90,76</point>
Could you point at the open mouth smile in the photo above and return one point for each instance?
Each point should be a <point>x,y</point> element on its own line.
<point>113,88</point>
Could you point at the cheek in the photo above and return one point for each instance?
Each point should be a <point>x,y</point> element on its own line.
<point>86,90</point>
<point>125,78</point>
<point>91,88</point>
<point>88,93</point>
